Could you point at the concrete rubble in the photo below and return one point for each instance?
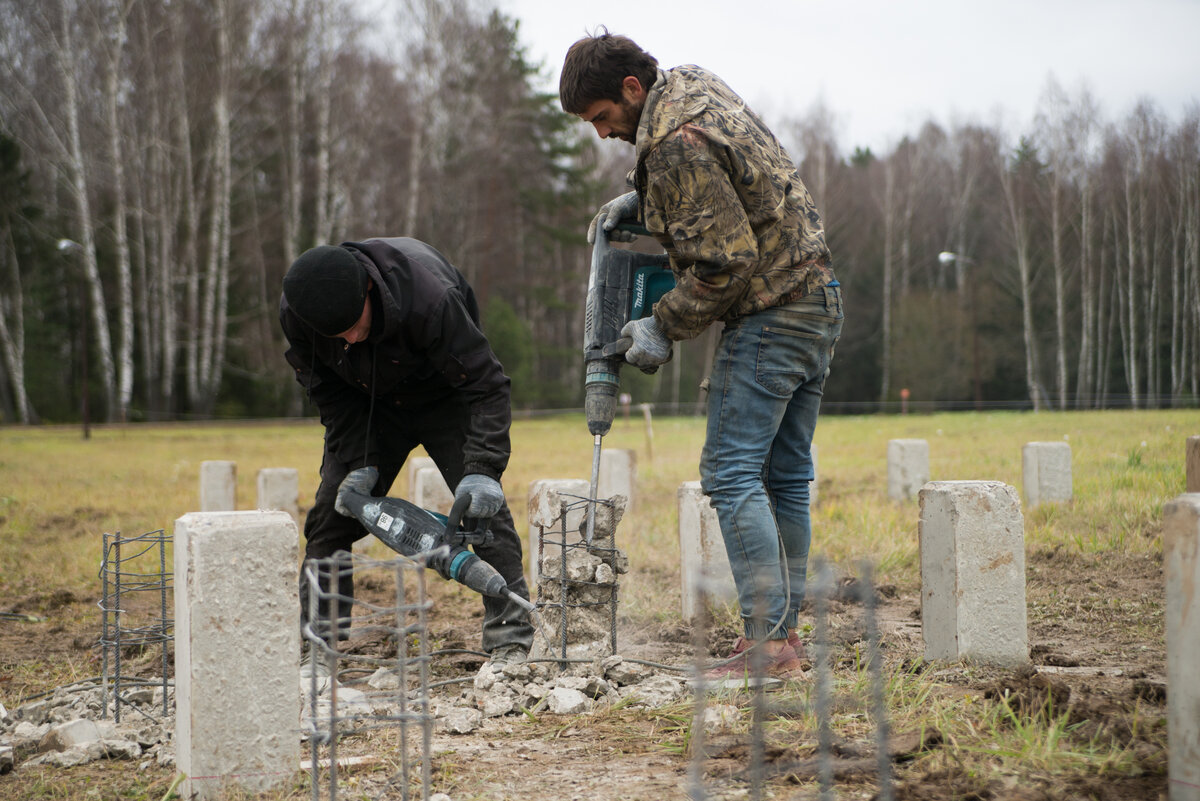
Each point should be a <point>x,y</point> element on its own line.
<point>537,686</point>
<point>67,729</point>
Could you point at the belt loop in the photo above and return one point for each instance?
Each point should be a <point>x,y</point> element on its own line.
<point>829,297</point>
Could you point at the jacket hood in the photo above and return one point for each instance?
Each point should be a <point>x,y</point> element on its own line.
<point>389,312</point>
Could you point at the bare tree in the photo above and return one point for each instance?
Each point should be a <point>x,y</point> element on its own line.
<point>1018,184</point>
<point>115,15</point>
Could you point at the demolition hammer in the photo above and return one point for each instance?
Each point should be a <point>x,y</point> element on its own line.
<point>436,540</point>
<point>623,285</point>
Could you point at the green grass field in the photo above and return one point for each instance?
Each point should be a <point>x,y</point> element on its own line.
<point>60,492</point>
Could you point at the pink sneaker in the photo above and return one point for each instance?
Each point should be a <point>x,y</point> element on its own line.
<point>798,647</point>
<point>784,665</point>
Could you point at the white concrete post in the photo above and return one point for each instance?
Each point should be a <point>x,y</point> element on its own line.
<point>1193,465</point>
<point>702,557</point>
<point>237,652</point>
<point>618,475</point>
<point>545,503</point>
<point>1047,472</point>
<point>431,492</point>
<point>972,544</point>
<point>907,468</point>
<point>279,488</point>
<point>218,486</point>
<point>1181,566</point>
<point>415,463</point>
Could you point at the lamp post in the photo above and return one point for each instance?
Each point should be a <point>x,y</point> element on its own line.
<point>946,258</point>
<point>69,247</point>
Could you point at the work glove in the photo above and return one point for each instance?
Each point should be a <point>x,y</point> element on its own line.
<point>643,344</point>
<point>610,214</point>
<point>485,492</point>
<point>361,481</point>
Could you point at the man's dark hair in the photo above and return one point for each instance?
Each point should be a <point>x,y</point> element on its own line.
<point>596,65</point>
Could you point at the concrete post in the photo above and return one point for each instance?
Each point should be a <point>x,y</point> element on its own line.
<point>1193,464</point>
<point>431,492</point>
<point>1181,566</point>
<point>907,468</point>
<point>702,557</point>
<point>237,652</point>
<point>618,475</point>
<point>279,488</point>
<point>1047,473</point>
<point>414,464</point>
<point>545,503</point>
<point>218,486</point>
<point>972,547</point>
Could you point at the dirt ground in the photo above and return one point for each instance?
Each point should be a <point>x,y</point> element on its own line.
<point>1097,642</point>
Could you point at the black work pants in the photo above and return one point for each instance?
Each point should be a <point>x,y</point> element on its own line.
<point>442,431</point>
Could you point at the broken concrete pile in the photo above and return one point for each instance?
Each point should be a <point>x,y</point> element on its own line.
<point>576,590</point>
<point>67,729</point>
<point>539,686</point>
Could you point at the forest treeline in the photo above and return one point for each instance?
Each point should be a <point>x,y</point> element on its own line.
<point>162,162</point>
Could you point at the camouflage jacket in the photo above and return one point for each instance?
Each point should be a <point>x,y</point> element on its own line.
<point>722,196</point>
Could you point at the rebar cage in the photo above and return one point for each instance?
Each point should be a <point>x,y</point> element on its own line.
<point>133,601</point>
<point>570,599</point>
<point>377,698</point>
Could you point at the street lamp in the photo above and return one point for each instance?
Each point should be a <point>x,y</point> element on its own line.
<point>946,258</point>
<point>69,247</point>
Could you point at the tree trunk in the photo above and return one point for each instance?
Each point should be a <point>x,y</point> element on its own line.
<point>1060,292</point>
<point>889,225</point>
<point>1131,294</point>
<point>1019,226</point>
<point>76,167</point>
<point>1084,382</point>
<point>120,237</point>
<point>216,273</point>
<point>323,227</point>
<point>12,329</point>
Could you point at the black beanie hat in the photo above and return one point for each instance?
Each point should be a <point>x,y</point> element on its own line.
<point>326,288</point>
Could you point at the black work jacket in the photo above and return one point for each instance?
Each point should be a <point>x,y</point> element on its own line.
<point>425,346</point>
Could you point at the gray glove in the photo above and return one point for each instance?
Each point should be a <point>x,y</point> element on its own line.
<point>610,214</point>
<point>643,343</point>
<point>485,492</point>
<point>361,481</point>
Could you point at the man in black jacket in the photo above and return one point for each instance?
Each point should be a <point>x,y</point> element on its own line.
<point>384,335</point>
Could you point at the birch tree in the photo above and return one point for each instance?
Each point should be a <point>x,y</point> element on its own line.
<point>14,186</point>
<point>114,18</point>
<point>1017,179</point>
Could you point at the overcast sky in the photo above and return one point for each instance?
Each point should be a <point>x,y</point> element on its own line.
<point>884,68</point>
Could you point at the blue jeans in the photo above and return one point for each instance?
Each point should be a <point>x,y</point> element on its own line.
<point>764,395</point>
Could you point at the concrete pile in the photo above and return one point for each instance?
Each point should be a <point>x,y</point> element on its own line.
<point>577,589</point>
<point>538,686</point>
<point>67,729</point>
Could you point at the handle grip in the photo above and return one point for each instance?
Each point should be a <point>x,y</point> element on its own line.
<point>453,535</point>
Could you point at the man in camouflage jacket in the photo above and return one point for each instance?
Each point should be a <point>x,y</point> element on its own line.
<point>715,187</point>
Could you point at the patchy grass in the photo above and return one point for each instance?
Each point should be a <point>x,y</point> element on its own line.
<point>1094,598</point>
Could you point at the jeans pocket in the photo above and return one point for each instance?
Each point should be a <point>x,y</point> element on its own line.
<point>794,349</point>
<point>781,366</point>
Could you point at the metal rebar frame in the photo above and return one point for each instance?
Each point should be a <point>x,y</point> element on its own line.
<point>406,709</point>
<point>821,590</point>
<point>133,566</point>
<point>604,548</point>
